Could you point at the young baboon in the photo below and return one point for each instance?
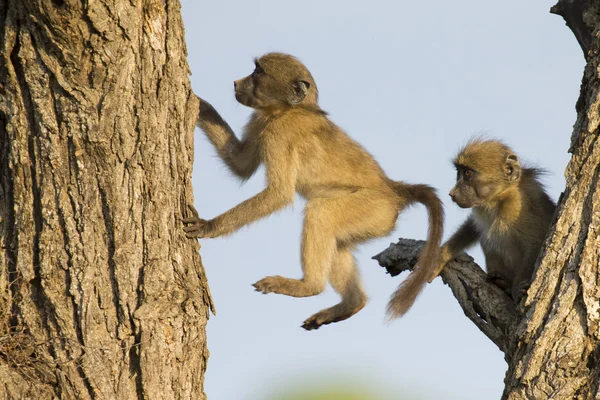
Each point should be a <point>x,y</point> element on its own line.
<point>349,198</point>
<point>511,213</point>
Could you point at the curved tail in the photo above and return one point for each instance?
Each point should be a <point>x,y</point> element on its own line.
<point>406,294</point>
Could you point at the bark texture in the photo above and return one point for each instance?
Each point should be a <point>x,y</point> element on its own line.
<point>101,295</point>
<point>556,351</point>
<point>552,341</point>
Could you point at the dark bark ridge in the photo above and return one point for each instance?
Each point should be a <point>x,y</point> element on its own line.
<point>573,13</point>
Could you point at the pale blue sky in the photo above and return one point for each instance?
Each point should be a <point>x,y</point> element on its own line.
<point>410,81</point>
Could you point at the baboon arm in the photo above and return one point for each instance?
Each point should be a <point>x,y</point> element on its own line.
<point>241,157</point>
<point>264,203</point>
<point>465,236</point>
<point>281,177</point>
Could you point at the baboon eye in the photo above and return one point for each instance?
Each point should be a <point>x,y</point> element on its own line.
<point>467,173</point>
<point>258,69</point>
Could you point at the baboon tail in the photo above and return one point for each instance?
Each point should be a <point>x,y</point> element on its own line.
<point>406,294</point>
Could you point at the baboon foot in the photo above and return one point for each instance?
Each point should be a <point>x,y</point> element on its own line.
<point>519,290</point>
<point>289,287</point>
<point>271,284</point>
<point>330,315</point>
<point>500,282</point>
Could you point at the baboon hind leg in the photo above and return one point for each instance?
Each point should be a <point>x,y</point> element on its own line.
<point>318,250</point>
<point>345,279</point>
<point>497,272</point>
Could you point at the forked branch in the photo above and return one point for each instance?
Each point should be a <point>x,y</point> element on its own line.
<point>490,309</point>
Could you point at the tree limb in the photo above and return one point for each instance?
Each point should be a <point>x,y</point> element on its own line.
<point>490,309</point>
<point>572,13</point>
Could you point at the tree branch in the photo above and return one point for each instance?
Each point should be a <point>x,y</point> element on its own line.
<point>490,309</point>
<point>572,13</point>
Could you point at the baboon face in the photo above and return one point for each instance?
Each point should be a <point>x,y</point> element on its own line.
<point>484,170</point>
<point>278,81</point>
<point>469,190</point>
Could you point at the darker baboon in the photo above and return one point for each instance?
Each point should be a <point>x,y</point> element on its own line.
<point>511,213</point>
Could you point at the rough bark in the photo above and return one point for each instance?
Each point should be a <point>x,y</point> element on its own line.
<point>552,344</point>
<point>101,295</point>
<point>556,345</point>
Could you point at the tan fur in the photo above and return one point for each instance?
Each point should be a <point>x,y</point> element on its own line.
<point>349,198</point>
<point>511,213</point>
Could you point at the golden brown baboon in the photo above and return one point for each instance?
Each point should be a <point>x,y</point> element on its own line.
<point>511,213</point>
<point>349,198</point>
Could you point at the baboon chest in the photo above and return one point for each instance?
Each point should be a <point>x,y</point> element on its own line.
<point>498,240</point>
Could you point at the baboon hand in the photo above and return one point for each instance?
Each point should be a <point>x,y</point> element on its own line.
<point>437,272</point>
<point>445,258</point>
<point>196,227</point>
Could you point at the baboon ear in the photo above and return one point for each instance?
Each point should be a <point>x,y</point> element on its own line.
<point>300,90</point>
<point>512,168</point>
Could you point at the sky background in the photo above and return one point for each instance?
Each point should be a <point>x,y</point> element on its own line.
<point>411,82</point>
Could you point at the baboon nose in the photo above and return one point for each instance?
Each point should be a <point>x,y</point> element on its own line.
<point>451,194</point>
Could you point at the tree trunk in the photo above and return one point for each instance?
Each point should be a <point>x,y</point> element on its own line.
<point>101,294</point>
<point>556,352</point>
<point>552,340</point>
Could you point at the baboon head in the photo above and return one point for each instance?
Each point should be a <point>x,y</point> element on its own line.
<point>279,81</point>
<point>485,169</point>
